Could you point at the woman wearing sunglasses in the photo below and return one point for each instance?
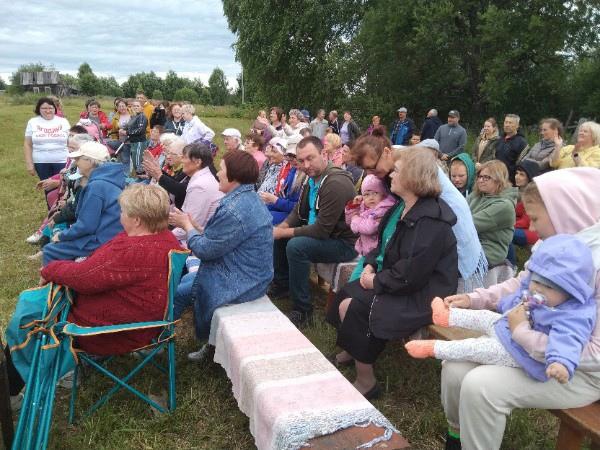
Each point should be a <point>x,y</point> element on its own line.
<point>492,204</point>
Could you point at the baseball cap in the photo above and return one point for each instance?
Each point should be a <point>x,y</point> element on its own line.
<point>402,109</point>
<point>292,142</point>
<point>279,144</point>
<point>232,132</point>
<point>94,150</point>
<point>430,143</point>
<point>453,113</point>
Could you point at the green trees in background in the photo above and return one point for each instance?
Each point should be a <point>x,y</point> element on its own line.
<point>172,87</point>
<point>532,57</point>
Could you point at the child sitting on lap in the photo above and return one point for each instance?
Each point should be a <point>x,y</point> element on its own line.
<point>559,301</point>
<point>364,216</point>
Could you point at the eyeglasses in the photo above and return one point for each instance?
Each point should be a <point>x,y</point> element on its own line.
<point>484,177</point>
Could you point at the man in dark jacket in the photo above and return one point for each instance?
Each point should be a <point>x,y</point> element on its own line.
<point>315,231</point>
<point>335,124</point>
<point>431,124</point>
<point>402,128</point>
<point>511,144</point>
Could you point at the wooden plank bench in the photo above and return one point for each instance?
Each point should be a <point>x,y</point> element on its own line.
<point>287,388</point>
<point>575,424</point>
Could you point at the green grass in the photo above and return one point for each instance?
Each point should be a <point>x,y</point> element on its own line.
<point>207,416</point>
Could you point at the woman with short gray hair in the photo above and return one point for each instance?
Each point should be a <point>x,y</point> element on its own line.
<point>98,211</point>
<point>296,123</point>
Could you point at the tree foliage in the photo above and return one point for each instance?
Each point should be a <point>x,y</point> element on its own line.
<point>186,94</point>
<point>479,56</point>
<point>218,89</point>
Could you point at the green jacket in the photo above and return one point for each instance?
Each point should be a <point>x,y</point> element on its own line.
<point>494,219</point>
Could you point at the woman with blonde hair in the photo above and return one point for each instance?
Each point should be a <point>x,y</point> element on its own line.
<point>585,152</point>
<point>332,149</point>
<point>415,260</point>
<point>484,149</point>
<point>492,204</point>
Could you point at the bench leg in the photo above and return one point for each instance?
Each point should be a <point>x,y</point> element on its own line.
<point>568,438</point>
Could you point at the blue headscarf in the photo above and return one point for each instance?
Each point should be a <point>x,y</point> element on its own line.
<point>472,263</point>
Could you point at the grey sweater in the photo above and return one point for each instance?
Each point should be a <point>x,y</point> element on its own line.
<point>452,140</point>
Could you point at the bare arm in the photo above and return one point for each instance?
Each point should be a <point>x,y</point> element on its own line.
<point>28,151</point>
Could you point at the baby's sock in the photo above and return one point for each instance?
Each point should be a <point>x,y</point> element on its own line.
<point>441,313</point>
<point>420,349</point>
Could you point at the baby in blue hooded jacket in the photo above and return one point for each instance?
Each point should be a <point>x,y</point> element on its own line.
<point>559,300</point>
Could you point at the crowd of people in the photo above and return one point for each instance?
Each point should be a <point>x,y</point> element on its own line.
<point>432,228</point>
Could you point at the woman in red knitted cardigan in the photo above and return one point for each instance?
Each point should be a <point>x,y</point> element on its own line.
<point>125,280</point>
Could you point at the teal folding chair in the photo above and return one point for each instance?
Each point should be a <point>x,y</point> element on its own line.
<point>165,339</point>
<point>42,355</point>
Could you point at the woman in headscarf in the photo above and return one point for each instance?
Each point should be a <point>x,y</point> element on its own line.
<point>462,173</point>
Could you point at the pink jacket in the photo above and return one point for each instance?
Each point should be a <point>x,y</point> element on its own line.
<point>202,198</point>
<point>571,198</point>
<point>365,222</point>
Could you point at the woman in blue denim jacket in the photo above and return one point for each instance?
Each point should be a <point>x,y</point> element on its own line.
<point>235,248</point>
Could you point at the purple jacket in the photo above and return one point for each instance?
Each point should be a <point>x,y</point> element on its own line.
<point>567,262</point>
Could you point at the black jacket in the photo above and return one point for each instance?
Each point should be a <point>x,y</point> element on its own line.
<point>158,117</point>
<point>420,263</point>
<point>336,125</point>
<point>175,185</point>
<point>508,151</point>
<point>430,126</point>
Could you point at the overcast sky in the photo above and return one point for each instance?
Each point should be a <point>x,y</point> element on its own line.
<point>118,38</point>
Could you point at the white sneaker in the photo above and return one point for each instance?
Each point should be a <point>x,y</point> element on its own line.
<point>36,256</point>
<point>66,382</point>
<point>16,401</point>
<point>199,355</point>
<point>34,238</point>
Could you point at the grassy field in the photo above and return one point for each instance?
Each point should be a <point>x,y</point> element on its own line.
<point>207,416</point>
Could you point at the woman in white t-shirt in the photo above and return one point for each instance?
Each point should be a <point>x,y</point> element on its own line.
<point>46,141</point>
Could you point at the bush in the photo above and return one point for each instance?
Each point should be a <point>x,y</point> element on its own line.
<point>186,94</point>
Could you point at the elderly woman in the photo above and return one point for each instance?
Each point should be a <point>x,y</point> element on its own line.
<point>296,122</point>
<point>585,152</point>
<point>275,159</point>
<point>109,292</point>
<point>462,173</point>
<point>175,122</point>
<point>477,399</point>
<point>202,193</point>
<point>93,112</point>
<point>194,130</point>
<point>492,204</point>
<point>332,149</point>
<point>232,139</point>
<point>551,131</point>
<point>289,184</point>
<point>134,134</point>
<point>415,261</point>
<point>235,248</point>
<point>45,145</point>
<point>97,213</point>
<point>484,149</point>
<point>171,176</point>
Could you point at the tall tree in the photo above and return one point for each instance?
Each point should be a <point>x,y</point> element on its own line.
<point>218,88</point>
<point>284,46</point>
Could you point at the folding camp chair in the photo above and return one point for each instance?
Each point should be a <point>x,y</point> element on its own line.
<point>165,339</point>
<point>42,355</point>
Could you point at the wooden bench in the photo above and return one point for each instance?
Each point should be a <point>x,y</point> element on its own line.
<point>287,388</point>
<point>336,275</point>
<point>575,424</point>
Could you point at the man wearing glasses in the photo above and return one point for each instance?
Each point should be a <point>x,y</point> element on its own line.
<point>315,231</point>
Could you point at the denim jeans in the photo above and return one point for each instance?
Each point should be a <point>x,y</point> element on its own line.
<point>183,297</point>
<point>520,239</point>
<point>292,259</point>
